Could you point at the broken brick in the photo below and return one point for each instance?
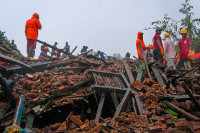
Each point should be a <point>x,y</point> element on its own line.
<point>76,120</point>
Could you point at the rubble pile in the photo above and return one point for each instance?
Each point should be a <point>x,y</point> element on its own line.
<point>88,94</point>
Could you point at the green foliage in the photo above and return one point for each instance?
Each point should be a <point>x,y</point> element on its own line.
<point>3,39</point>
<point>173,26</point>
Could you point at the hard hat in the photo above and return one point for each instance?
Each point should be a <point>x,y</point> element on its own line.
<point>166,34</point>
<point>36,15</point>
<point>46,48</point>
<point>183,31</point>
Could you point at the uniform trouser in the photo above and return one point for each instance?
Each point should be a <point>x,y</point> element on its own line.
<point>157,56</point>
<point>181,62</point>
<point>31,45</point>
<point>170,62</point>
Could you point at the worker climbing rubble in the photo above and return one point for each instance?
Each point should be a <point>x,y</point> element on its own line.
<point>184,49</point>
<point>170,52</point>
<point>158,51</point>
<point>43,55</point>
<point>31,32</point>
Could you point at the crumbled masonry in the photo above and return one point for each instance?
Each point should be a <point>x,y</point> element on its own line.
<point>90,95</point>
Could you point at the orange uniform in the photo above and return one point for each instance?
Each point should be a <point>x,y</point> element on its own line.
<point>31,29</point>
<point>137,44</point>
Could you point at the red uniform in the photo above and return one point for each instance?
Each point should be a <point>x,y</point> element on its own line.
<point>137,45</point>
<point>31,30</point>
<point>155,45</point>
<point>184,45</point>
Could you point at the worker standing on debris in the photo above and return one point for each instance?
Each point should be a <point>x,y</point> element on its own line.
<point>184,49</point>
<point>170,52</point>
<point>140,41</point>
<point>84,49</point>
<point>127,56</point>
<point>53,51</point>
<point>31,32</point>
<point>13,44</point>
<point>43,55</point>
<point>158,51</point>
<point>67,48</point>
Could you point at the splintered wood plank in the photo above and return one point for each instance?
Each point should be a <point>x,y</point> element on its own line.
<point>189,92</point>
<point>138,104</point>
<point>5,58</point>
<point>145,61</point>
<point>129,73</point>
<point>166,79</point>
<point>157,74</point>
<point>134,107</point>
<point>122,105</point>
<point>100,107</point>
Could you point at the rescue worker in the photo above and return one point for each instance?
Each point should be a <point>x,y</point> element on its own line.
<point>31,32</point>
<point>140,41</point>
<point>184,49</point>
<point>42,47</point>
<point>67,48</point>
<point>53,51</point>
<point>84,49</point>
<point>13,44</point>
<point>158,51</point>
<point>169,49</point>
<point>127,56</point>
<point>101,54</point>
<point>43,55</point>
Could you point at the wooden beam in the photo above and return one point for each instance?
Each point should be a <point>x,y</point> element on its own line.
<point>100,107</point>
<point>109,89</point>
<point>14,61</point>
<point>122,105</point>
<point>128,71</point>
<point>189,92</point>
<point>179,110</point>
<point>134,108</point>
<point>114,98</point>
<point>145,61</point>
<point>157,74</point>
<point>167,80</point>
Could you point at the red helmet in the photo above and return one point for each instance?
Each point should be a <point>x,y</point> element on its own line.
<point>36,15</point>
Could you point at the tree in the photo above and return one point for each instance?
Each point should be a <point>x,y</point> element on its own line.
<point>173,26</point>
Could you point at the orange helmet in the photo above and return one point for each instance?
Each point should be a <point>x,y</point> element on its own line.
<point>46,48</point>
<point>36,15</point>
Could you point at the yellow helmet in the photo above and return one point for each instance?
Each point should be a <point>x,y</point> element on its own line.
<point>183,31</point>
<point>166,34</point>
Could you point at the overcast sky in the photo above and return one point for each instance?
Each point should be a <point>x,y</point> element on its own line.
<point>107,25</point>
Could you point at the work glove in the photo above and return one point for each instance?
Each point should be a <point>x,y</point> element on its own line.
<point>189,54</point>
<point>150,46</point>
<point>162,51</point>
<point>177,56</point>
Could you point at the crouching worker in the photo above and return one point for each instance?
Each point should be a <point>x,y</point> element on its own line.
<point>43,55</point>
